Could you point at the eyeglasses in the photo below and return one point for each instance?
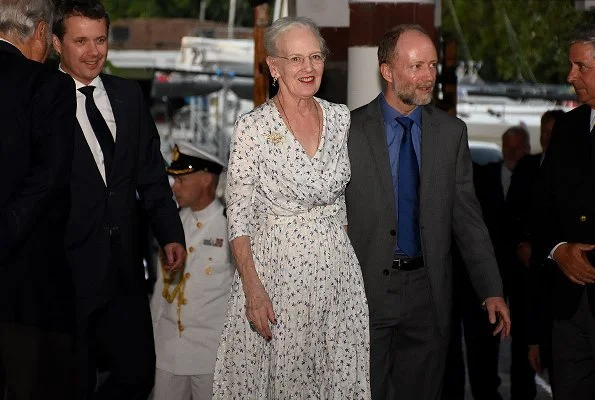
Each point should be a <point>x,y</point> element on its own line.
<point>297,60</point>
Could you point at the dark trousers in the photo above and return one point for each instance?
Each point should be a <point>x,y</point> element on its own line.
<point>453,387</point>
<point>522,376</point>
<point>407,352</point>
<point>118,334</point>
<point>34,364</point>
<point>573,355</point>
<point>482,353</point>
<point>481,345</point>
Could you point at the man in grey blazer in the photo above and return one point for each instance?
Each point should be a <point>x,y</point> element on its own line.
<point>411,193</point>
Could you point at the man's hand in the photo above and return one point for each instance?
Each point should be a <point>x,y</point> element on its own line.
<point>572,261</point>
<point>523,252</point>
<point>498,312</point>
<point>174,256</point>
<point>535,358</point>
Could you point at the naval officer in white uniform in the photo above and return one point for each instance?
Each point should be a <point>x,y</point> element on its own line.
<point>189,307</point>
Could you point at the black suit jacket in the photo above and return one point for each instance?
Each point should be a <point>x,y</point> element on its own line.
<point>565,201</point>
<point>520,195</point>
<point>497,215</point>
<point>37,110</point>
<point>102,234</point>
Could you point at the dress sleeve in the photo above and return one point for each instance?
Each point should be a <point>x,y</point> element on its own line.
<point>242,175</point>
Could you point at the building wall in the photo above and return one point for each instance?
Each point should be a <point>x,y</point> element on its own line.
<point>584,5</point>
<point>164,33</point>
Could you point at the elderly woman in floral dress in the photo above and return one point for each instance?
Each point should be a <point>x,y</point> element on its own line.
<point>297,322</point>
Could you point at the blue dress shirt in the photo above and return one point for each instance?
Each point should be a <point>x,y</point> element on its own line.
<point>394,131</point>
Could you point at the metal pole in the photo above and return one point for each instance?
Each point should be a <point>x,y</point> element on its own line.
<point>231,19</point>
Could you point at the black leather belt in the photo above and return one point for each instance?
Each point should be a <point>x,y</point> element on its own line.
<point>408,264</point>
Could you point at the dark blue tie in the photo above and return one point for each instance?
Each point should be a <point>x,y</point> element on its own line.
<point>408,239</point>
<point>100,128</point>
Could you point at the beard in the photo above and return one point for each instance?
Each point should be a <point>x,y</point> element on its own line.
<point>407,94</point>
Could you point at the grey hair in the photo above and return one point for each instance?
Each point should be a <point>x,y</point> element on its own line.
<point>584,34</point>
<point>18,18</point>
<point>517,130</point>
<point>284,24</point>
<point>387,48</point>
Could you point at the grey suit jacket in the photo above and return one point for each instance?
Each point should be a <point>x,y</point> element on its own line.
<point>448,208</point>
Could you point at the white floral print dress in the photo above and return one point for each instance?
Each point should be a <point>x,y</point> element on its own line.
<point>293,208</point>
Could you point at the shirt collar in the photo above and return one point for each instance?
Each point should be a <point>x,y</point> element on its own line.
<point>95,82</point>
<point>8,41</point>
<point>389,113</point>
<point>592,119</point>
<point>12,47</point>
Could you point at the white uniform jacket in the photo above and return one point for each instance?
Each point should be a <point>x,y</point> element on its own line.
<point>207,292</point>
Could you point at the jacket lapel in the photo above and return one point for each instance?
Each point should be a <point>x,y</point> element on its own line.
<point>119,112</point>
<point>430,148</point>
<point>87,161</point>
<point>376,135</point>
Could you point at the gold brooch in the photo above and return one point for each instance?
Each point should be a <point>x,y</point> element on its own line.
<point>175,154</point>
<point>275,138</point>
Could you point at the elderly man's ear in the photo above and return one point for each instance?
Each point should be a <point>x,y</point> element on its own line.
<point>40,42</point>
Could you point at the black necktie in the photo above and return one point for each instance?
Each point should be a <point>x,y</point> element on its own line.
<point>408,238</point>
<point>100,128</point>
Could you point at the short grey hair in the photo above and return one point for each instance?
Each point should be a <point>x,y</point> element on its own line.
<point>18,18</point>
<point>284,24</point>
<point>387,49</point>
<point>584,34</point>
<point>517,130</point>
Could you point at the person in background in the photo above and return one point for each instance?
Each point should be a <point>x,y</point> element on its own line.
<point>37,110</point>
<point>297,322</point>
<point>538,320</point>
<point>411,191</point>
<point>117,159</point>
<point>493,187</point>
<point>188,306</point>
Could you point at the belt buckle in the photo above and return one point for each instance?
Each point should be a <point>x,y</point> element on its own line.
<point>400,262</point>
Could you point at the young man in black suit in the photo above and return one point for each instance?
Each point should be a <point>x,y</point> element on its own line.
<point>565,228</point>
<point>37,110</point>
<point>116,160</point>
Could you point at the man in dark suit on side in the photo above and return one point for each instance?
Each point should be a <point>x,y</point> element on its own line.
<point>116,160</point>
<point>537,319</point>
<point>37,110</point>
<point>493,183</point>
<point>565,227</point>
<point>411,190</point>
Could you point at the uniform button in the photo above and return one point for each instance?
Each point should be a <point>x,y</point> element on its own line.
<point>583,218</point>
<point>385,272</point>
<point>393,232</point>
<point>199,225</point>
<point>190,249</point>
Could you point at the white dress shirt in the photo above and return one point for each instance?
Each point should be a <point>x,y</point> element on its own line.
<point>105,108</point>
